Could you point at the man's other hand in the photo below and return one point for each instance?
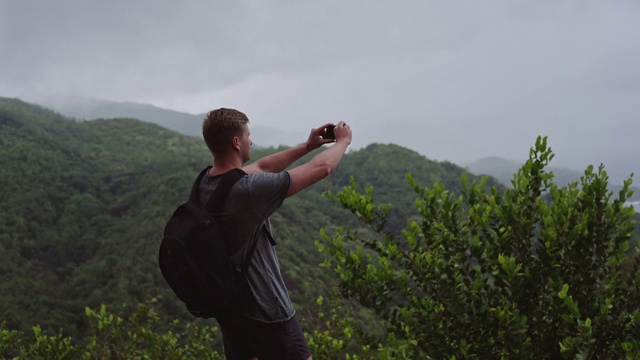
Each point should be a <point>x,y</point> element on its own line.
<point>316,138</point>
<point>343,132</point>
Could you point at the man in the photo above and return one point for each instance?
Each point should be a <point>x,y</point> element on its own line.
<point>262,324</point>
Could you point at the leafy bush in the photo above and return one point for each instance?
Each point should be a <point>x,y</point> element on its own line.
<point>112,337</point>
<point>533,272</point>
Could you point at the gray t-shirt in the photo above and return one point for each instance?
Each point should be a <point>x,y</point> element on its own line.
<point>248,206</point>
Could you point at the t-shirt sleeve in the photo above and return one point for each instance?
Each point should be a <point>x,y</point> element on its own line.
<point>268,191</point>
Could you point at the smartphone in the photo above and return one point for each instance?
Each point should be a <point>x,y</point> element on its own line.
<point>329,132</point>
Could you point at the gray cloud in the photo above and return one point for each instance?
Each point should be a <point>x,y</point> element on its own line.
<point>452,80</point>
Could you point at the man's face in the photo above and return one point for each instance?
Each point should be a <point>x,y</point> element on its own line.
<point>245,144</point>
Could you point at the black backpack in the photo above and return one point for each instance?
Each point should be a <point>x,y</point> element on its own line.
<point>193,257</point>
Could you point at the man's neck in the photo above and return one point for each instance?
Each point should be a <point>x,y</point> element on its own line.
<point>223,165</point>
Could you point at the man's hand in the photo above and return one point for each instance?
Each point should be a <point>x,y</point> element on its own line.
<point>343,132</point>
<point>317,137</point>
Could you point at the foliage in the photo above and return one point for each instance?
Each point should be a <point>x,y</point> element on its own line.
<point>112,337</point>
<point>341,336</point>
<point>79,225</point>
<point>489,274</point>
<point>329,341</point>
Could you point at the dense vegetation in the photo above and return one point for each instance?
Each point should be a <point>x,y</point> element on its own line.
<point>85,203</point>
<point>497,275</point>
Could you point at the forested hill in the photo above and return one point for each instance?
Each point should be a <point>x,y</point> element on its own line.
<point>84,205</point>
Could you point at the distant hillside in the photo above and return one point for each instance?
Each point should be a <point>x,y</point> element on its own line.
<point>85,203</point>
<point>619,163</point>
<point>503,170</point>
<point>89,109</point>
<point>184,123</point>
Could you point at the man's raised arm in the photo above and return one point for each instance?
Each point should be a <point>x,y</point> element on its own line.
<point>323,164</point>
<point>279,161</point>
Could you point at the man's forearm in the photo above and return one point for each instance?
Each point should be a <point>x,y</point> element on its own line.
<point>321,166</point>
<point>281,160</point>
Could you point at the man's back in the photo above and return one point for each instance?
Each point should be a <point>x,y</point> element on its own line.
<point>245,219</point>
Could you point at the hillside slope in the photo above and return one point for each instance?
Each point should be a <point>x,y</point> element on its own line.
<point>85,203</point>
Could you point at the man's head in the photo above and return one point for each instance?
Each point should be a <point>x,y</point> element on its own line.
<point>226,129</point>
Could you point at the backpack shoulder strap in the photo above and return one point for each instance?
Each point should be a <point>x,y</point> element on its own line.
<point>220,194</point>
<point>195,189</point>
<point>218,197</point>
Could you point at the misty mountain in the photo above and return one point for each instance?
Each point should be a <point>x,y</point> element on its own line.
<point>503,170</point>
<point>91,108</point>
<point>618,167</point>
<point>83,108</point>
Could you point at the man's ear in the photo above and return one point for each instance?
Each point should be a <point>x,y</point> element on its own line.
<point>236,143</point>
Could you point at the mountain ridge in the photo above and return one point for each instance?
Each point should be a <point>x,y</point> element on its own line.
<point>181,122</point>
<point>618,168</point>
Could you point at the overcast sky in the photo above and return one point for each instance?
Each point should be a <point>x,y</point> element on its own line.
<point>454,80</point>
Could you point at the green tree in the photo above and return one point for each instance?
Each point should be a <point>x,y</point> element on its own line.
<point>489,274</point>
